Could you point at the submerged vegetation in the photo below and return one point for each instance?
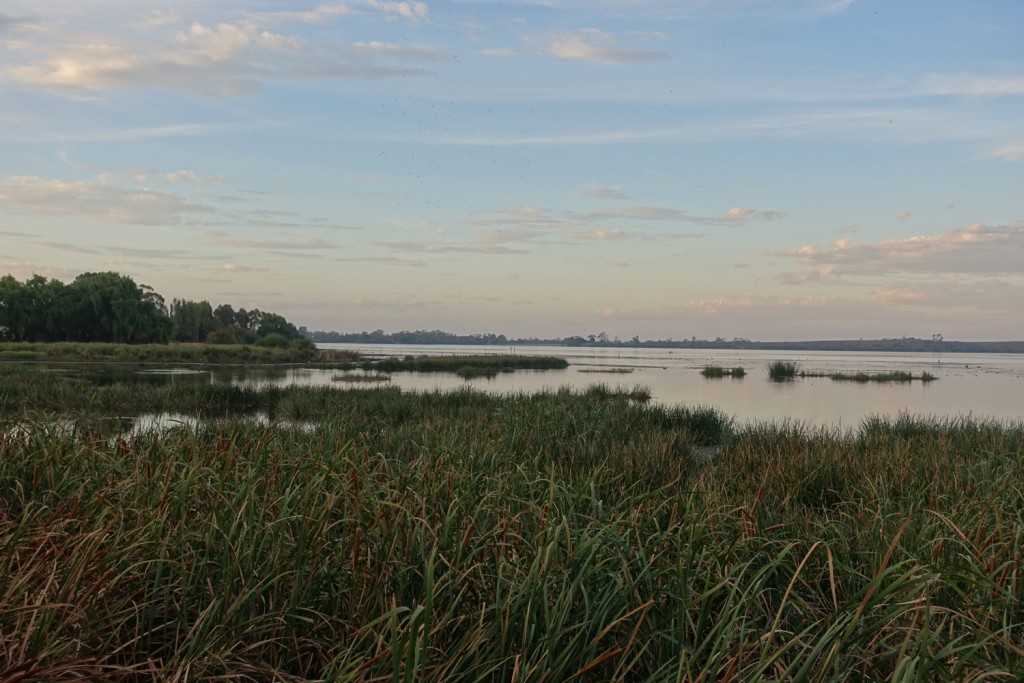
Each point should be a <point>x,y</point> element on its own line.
<point>716,372</point>
<point>862,377</point>
<point>467,367</point>
<point>786,370</point>
<point>463,536</point>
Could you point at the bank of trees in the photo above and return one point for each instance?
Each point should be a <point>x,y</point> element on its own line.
<point>109,307</point>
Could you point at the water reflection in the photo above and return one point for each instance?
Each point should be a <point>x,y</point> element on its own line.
<point>979,385</point>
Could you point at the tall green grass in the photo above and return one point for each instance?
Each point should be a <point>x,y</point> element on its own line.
<point>467,537</point>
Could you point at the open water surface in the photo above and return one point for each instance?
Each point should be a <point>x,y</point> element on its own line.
<point>979,385</point>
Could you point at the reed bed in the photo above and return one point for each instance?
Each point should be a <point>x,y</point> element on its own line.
<point>352,378</point>
<point>717,372</point>
<point>467,367</point>
<point>468,537</point>
<point>864,377</point>
<point>162,353</point>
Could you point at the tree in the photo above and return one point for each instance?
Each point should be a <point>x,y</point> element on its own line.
<point>111,307</point>
<point>192,320</point>
<point>272,323</point>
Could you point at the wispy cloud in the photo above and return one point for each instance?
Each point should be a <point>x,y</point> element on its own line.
<point>223,239</point>
<point>95,201</point>
<point>594,45</point>
<point>447,248</point>
<point>599,192</point>
<point>802,277</point>
<point>328,12</point>
<point>1011,152</point>
<point>192,177</point>
<point>64,246</point>
<point>148,253</point>
<point>216,59</point>
<point>902,215</point>
<point>977,249</point>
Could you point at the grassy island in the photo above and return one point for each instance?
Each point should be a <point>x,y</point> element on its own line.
<point>358,534</point>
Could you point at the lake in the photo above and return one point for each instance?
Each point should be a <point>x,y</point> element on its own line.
<point>979,385</point>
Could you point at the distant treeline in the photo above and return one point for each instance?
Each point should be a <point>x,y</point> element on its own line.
<point>109,307</point>
<point>936,344</point>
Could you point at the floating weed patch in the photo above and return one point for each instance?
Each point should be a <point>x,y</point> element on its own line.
<point>863,377</point>
<point>610,371</point>
<point>717,372</point>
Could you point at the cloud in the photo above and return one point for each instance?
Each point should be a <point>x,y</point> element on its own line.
<point>146,253</point>
<point>739,214</point>
<point>832,6</point>
<point>977,249</point>
<point>601,235</point>
<point>384,261</point>
<point>328,12</point>
<point>447,248</point>
<point>222,239</point>
<point>593,45</point>
<point>214,59</point>
<point>191,176</point>
<point>893,294</point>
<point>973,85</point>
<point>902,215</point>
<point>95,201</point>
<point>598,192</point>
<point>318,15</point>
<point>63,246</point>
<point>9,22</point>
<point>1011,152</point>
<point>802,277</point>
<point>235,268</point>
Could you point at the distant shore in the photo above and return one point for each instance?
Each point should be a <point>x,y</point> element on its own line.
<point>902,344</point>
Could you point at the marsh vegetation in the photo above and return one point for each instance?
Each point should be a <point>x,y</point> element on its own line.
<point>465,536</point>
<point>894,376</point>
<point>717,372</point>
<point>467,367</point>
<point>782,370</point>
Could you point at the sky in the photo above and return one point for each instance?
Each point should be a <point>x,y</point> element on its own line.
<point>764,169</point>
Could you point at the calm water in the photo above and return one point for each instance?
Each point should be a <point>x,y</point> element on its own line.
<point>980,385</point>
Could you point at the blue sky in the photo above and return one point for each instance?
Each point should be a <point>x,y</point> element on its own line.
<point>784,169</point>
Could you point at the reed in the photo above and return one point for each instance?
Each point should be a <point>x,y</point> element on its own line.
<point>351,378</point>
<point>782,370</point>
<point>864,377</point>
<point>158,353</point>
<point>463,536</point>
<point>488,364</point>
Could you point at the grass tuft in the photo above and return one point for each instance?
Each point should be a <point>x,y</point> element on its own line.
<point>782,370</point>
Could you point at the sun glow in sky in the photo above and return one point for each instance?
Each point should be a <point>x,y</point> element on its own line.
<point>770,169</point>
